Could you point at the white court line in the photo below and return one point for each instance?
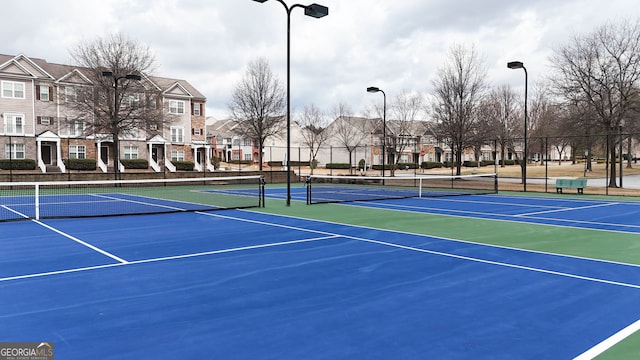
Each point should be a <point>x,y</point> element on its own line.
<point>513,218</point>
<point>166,258</point>
<point>95,248</point>
<point>433,252</point>
<point>139,202</point>
<point>609,342</point>
<point>567,209</point>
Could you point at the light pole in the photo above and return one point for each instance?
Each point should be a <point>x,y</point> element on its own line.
<point>520,65</point>
<point>315,11</point>
<point>373,89</point>
<point>116,109</point>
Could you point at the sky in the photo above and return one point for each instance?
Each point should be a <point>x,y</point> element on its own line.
<point>396,45</point>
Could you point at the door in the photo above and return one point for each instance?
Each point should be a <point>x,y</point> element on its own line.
<point>45,153</point>
<point>154,154</point>
<point>104,154</point>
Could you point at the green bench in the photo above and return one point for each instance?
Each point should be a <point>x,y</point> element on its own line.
<point>575,183</point>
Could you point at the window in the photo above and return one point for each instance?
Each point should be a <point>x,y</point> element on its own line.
<point>247,157</point>
<point>197,109</point>
<point>176,107</point>
<point>12,90</point>
<point>177,134</point>
<point>197,131</point>
<point>177,155</point>
<point>70,94</point>
<point>13,124</point>
<point>14,151</point>
<point>130,152</point>
<point>247,142</point>
<point>76,128</point>
<point>235,155</point>
<point>131,100</point>
<point>77,152</point>
<point>153,127</point>
<point>236,142</point>
<point>44,93</point>
<point>45,120</point>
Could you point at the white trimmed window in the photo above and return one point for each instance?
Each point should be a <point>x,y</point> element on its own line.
<point>70,94</point>
<point>44,93</point>
<point>247,157</point>
<point>130,152</point>
<point>13,124</point>
<point>197,109</point>
<point>77,152</point>
<point>177,134</point>
<point>76,128</point>
<point>12,90</point>
<point>14,151</point>
<point>176,107</point>
<point>44,120</point>
<point>177,155</point>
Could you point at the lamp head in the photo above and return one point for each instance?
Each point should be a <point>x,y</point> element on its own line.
<point>313,10</point>
<point>515,65</point>
<point>373,89</point>
<point>107,73</point>
<point>260,1</point>
<point>133,77</point>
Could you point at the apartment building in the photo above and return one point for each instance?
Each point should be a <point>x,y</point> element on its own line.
<point>38,123</point>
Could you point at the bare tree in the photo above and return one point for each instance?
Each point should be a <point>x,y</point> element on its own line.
<point>348,130</point>
<point>313,126</point>
<point>459,88</point>
<point>111,101</point>
<point>503,117</point>
<point>602,71</point>
<point>406,112</point>
<point>257,104</point>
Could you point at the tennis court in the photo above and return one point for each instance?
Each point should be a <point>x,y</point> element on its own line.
<point>475,276</point>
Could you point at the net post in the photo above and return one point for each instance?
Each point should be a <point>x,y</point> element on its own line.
<point>37,200</point>
<point>420,188</point>
<point>261,201</point>
<point>308,186</point>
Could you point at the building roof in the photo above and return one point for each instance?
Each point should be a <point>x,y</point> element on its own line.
<point>59,72</point>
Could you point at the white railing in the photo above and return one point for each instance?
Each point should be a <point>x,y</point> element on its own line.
<point>42,166</point>
<point>61,166</point>
<point>197,166</point>
<point>120,167</point>
<point>211,168</point>
<point>102,166</point>
<point>169,165</point>
<point>154,165</point>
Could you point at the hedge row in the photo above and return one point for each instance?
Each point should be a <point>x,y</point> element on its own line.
<point>183,165</point>
<point>135,163</point>
<point>18,164</point>
<point>80,164</point>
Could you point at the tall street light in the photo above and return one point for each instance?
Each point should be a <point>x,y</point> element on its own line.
<point>520,65</point>
<point>116,109</point>
<point>315,11</point>
<point>373,89</point>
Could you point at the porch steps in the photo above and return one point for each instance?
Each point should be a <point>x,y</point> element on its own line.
<point>52,169</point>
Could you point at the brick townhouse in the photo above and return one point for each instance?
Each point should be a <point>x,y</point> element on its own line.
<point>37,124</point>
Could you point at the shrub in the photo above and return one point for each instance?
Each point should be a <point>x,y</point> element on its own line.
<point>135,163</point>
<point>337,166</point>
<point>404,166</point>
<point>18,164</point>
<point>215,161</point>
<point>274,163</point>
<point>361,164</point>
<point>299,163</point>
<point>431,165</point>
<point>183,165</point>
<point>80,164</point>
<point>379,167</point>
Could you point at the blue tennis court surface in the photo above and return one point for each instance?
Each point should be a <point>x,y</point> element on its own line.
<point>245,285</point>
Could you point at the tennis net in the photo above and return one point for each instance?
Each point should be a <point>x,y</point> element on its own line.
<point>62,199</point>
<point>331,189</point>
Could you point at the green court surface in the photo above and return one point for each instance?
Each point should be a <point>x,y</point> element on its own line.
<point>606,245</point>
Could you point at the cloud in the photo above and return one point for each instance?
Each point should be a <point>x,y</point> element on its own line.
<point>396,45</point>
